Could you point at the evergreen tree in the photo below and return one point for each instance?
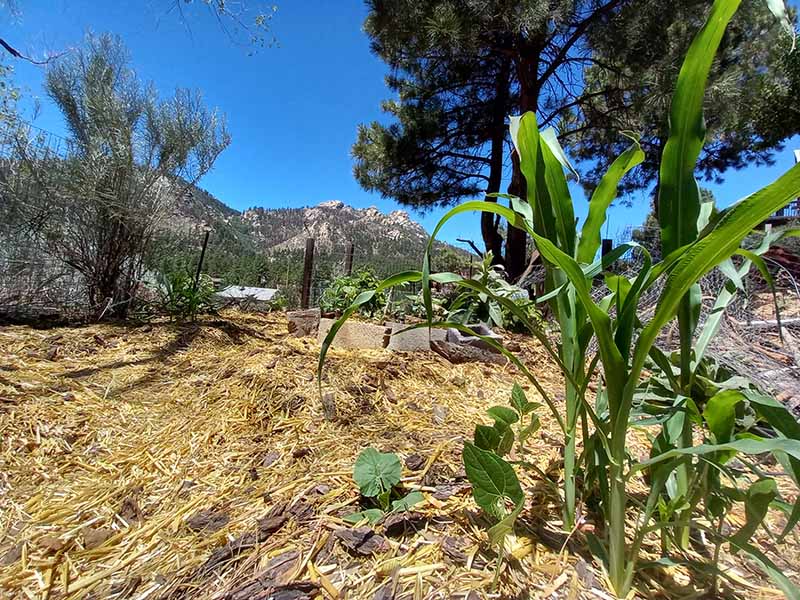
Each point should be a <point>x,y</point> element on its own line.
<point>459,67</point>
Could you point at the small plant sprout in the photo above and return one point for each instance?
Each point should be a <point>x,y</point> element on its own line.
<point>377,475</point>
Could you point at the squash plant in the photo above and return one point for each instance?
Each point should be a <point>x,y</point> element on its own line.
<point>624,343</point>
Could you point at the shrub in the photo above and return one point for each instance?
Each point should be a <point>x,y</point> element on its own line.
<point>470,305</point>
<point>180,299</point>
<point>343,291</point>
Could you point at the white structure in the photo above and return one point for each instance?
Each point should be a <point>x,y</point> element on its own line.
<point>246,297</point>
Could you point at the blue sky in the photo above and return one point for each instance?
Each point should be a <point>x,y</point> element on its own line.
<point>292,110</point>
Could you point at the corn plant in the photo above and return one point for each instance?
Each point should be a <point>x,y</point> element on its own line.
<point>624,343</point>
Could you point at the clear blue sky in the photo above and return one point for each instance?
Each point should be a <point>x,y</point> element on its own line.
<point>292,110</point>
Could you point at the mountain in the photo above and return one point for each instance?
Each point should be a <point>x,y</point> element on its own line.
<point>264,244</point>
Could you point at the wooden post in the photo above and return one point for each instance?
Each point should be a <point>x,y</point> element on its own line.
<point>308,268</point>
<point>200,262</point>
<point>348,259</point>
<point>608,246</point>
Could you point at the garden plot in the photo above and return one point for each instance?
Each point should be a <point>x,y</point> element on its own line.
<point>197,461</point>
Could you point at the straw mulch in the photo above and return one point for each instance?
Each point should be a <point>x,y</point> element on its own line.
<point>198,461</point>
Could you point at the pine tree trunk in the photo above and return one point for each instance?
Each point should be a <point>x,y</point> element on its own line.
<point>516,239</point>
<point>491,237</point>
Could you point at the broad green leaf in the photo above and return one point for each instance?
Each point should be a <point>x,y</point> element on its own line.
<point>500,530</point>
<point>550,137</point>
<point>604,194</point>
<point>486,437</point>
<point>503,415</point>
<point>720,414</point>
<point>506,441</point>
<point>756,504</point>
<point>493,480</point>
<point>518,399</point>
<point>376,472</point>
<point>373,515</point>
<point>406,502</point>
<point>697,259</point>
<point>746,446</point>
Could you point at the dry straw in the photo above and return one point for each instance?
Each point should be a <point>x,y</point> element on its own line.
<point>195,461</point>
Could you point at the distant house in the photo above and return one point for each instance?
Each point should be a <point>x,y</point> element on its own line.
<point>254,298</point>
<point>789,212</point>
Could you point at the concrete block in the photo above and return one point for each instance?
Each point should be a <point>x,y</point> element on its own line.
<point>414,340</point>
<point>303,323</point>
<point>355,334</point>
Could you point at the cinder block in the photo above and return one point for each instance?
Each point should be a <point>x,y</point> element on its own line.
<point>303,322</point>
<point>414,340</point>
<point>355,334</point>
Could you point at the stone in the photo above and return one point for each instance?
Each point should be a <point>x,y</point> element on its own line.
<point>414,340</point>
<point>354,334</point>
<point>459,354</point>
<point>303,323</point>
<point>454,336</point>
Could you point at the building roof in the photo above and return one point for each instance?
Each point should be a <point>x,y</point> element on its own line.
<point>239,292</point>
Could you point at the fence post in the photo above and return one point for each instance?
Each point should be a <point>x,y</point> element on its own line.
<point>348,259</point>
<point>608,246</point>
<point>308,268</point>
<point>200,262</point>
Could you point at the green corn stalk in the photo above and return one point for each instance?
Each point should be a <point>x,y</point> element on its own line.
<point>548,217</point>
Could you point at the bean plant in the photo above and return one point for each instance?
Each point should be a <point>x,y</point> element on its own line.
<point>690,485</point>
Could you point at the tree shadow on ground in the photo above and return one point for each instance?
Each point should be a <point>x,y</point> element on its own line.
<point>185,336</point>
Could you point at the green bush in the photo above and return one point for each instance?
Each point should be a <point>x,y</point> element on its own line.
<point>180,299</point>
<point>471,305</point>
<point>343,291</point>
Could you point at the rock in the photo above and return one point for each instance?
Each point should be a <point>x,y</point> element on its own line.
<point>354,334</point>
<point>329,406</point>
<point>455,336</point>
<point>96,536</point>
<point>439,414</point>
<point>303,322</point>
<point>208,520</point>
<point>361,540</point>
<point>415,462</point>
<point>459,354</point>
<point>414,340</point>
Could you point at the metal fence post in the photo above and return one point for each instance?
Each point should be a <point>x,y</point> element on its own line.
<point>608,246</point>
<point>308,268</point>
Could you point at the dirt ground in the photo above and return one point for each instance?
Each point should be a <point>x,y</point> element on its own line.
<point>198,461</point>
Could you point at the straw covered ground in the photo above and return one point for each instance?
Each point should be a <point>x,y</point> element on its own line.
<point>197,461</point>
